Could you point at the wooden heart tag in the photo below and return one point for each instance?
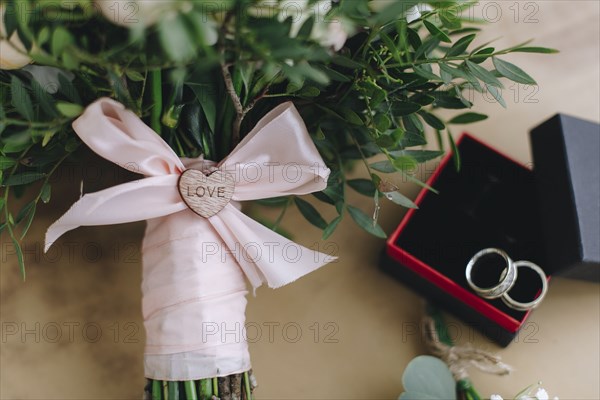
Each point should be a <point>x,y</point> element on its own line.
<point>206,195</point>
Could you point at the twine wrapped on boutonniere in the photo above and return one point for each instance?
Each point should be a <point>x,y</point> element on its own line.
<point>459,358</point>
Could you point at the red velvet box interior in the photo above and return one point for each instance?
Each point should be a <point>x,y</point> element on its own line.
<point>490,202</point>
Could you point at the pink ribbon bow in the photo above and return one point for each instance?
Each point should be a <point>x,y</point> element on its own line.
<point>193,286</point>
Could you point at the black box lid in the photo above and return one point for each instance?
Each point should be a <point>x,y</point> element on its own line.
<point>566,155</point>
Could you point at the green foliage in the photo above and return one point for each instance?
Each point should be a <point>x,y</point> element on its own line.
<point>190,73</point>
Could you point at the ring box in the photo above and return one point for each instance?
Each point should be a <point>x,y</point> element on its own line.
<point>492,201</point>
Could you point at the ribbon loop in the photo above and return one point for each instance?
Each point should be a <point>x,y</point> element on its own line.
<point>118,135</point>
<point>276,158</point>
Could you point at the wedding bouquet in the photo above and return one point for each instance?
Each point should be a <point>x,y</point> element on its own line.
<point>218,102</point>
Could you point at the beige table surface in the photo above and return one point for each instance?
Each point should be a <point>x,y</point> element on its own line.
<point>365,320</point>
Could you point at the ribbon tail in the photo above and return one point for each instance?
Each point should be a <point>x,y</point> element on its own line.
<point>265,256</point>
<point>133,201</point>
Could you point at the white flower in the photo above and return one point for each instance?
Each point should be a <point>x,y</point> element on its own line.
<point>13,54</point>
<point>541,394</point>
<point>412,14</point>
<point>331,34</point>
<point>496,397</point>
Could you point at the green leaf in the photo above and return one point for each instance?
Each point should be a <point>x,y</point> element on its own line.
<point>486,76</point>
<point>350,116</point>
<point>426,72</point>
<point>400,199</point>
<point>310,213</point>
<point>450,19</point>
<point>495,92</point>
<point>66,87</point>
<point>391,46</point>
<point>419,156</point>
<point>404,163</point>
<point>331,227</point>
<point>445,100</point>
<point>134,75</point>
<point>43,36</point>
<point>335,75</point>
<point>455,152</point>
<point>541,50</point>
<point>345,61</point>
<point>42,97</point>
<point>382,122</point>
<point>26,214</point>
<point>468,118</point>
<point>432,120</point>
<point>402,108</point>
<point>176,40</point>
<point>70,60</point>
<point>61,38</point>
<point>309,91</point>
<point>69,110</point>
<point>23,178</point>
<point>21,100</point>
<point>411,139</point>
<point>323,197</point>
<point>383,166</point>
<point>460,46</point>
<point>488,51</point>
<point>362,186</point>
<point>385,141</point>
<point>422,99</point>
<point>46,193</point>
<point>19,255</point>
<point>365,222</point>
<point>6,162</point>
<point>437,32</point>
<point>512,72</point>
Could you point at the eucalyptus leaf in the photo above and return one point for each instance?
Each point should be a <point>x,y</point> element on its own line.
<point>483,74</point>
<point>6,162</point>
<point>23,178</point>
<point>496,94</point>
<point>400,199</point>
<point>21,100</point>
<point>328,231</point>
<point>432,120</point>
<point>482,54</point>
<point>455,151</point>
<point>362,186</point>
<point>512,72</point>
<point>468,118</point>
<point>402,108</point>
<point>19,252</point>
<point>437,32</point>
<point>428,378</point>
<point>46,193</point>
<point>310,213</point>
<point>365,222</point>
<point>540,50</point>
<point>27,219</point>
<point>460,46</point>
<point>69,110</point>
<point>383,166</point>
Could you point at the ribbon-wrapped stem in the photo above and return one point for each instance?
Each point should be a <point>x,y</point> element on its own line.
<point>199,250</point>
